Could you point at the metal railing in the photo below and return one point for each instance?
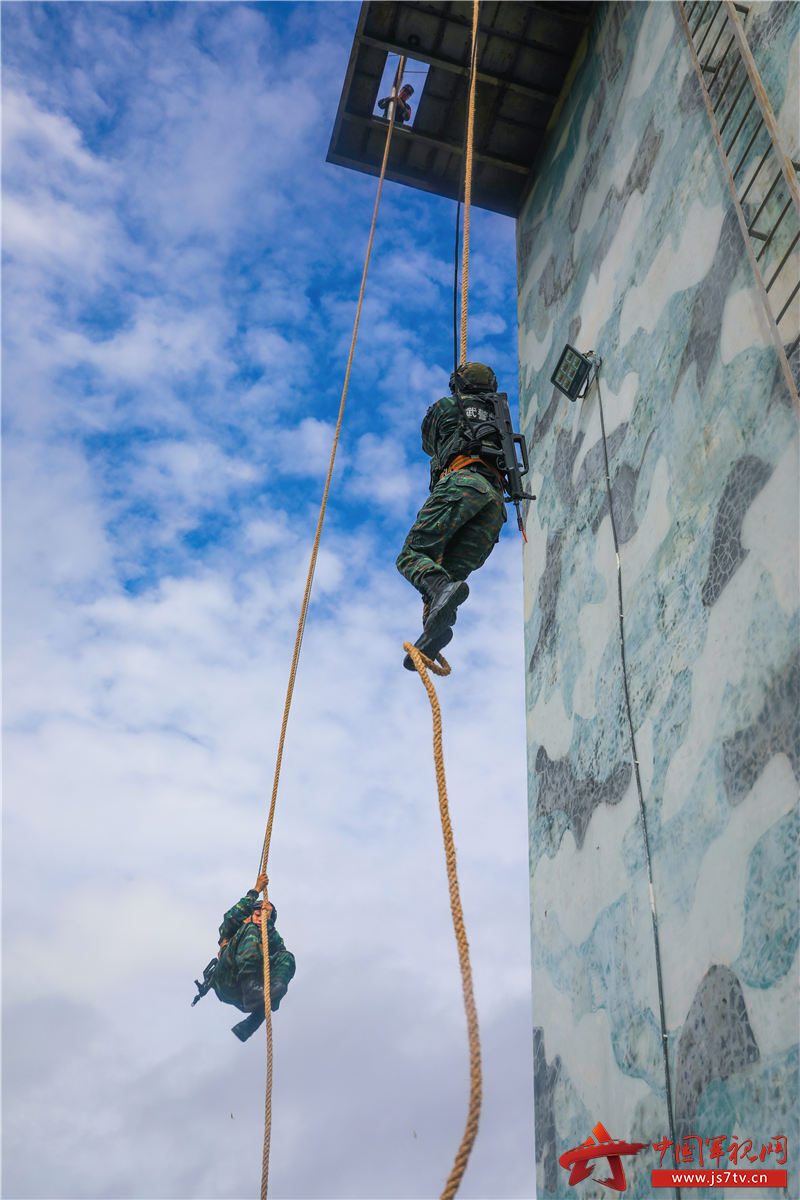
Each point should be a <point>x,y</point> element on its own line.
<point>762,178</point>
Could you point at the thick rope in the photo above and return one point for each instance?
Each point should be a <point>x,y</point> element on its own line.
<point>475,1080</point>
<point>299,640</point>
<point>468,180</point>
<point>268,1015</point>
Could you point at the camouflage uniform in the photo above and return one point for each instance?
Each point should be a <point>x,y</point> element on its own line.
<point>460,522</point>
<point>243,954</point>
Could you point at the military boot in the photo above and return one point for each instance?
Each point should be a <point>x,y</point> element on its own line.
<point>248,1026</point>
<point>430,644</point>
<point>444,597</point>
<point>252,986</point>
<point>277,991</point>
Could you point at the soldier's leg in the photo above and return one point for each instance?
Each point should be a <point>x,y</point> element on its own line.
<point>248,1026</point>
<point>225,980</point>
<point>449,506</point>
<point>463,512</point>
<point>474,539</point>
<point>249,965</point>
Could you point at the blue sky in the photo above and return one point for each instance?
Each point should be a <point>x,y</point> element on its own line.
<point>181,268</point>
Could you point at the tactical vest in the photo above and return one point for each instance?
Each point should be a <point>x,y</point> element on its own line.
<point>476,436</point>
<point>477,433</point>
<point>483,430</point>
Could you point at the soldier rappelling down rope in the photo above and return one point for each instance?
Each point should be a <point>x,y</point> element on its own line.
<point>237,974</point>
<point>472,447</point>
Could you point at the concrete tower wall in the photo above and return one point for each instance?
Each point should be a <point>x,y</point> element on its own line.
<point>629,245</point>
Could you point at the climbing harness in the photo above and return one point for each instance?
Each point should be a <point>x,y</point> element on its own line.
<point>299,640</point>
<point>465,460</point>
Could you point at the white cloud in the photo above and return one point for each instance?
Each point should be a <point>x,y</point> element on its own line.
<point>44,134</point>
<point>168,343</point>
<point>46,230</point>
<point>305,449</point>
<point>383,477</point>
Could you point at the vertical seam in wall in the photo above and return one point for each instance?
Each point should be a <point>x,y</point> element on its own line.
<point>635,756</point>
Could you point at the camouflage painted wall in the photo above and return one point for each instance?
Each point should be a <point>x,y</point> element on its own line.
<point>628,245</point>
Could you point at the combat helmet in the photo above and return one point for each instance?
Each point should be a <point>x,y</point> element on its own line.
<point>473,377</point>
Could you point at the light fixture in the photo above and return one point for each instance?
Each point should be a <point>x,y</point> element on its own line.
<point>572,372</point>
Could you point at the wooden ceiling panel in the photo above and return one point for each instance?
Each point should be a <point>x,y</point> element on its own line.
<point>524,54</point>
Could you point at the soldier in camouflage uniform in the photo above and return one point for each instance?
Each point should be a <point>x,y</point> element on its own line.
<point>460,522</point>
<point>238,978</point>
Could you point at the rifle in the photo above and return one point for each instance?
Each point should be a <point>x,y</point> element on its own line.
<point>208,977</point>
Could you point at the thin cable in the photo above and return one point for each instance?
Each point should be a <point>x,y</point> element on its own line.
<point>635,756</point>
<point>468,180</point>
<point>457,247</point>
<point>299,639</point>
<point>475,1079</point>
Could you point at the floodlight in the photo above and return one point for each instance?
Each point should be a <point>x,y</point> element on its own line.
<point>572,372</point>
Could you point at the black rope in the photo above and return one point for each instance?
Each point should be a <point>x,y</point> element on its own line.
<point>642,813</point>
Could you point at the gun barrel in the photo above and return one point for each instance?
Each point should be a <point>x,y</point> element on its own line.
<point>514,469</point>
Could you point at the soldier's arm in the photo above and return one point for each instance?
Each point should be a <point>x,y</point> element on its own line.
<point>440,423</point>
<point>428,430</point>
<point>234,916</point>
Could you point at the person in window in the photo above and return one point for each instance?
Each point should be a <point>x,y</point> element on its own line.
<point>403,112</point>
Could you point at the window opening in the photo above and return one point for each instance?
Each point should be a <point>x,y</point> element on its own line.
<point>415,73</point>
